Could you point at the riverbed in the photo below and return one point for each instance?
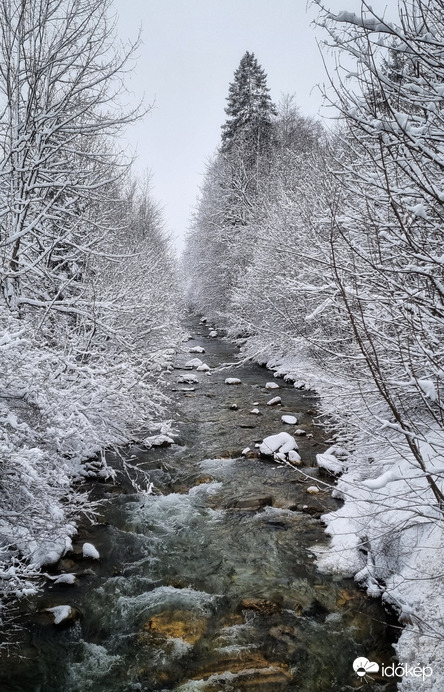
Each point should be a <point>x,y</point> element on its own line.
<point>209,583</point>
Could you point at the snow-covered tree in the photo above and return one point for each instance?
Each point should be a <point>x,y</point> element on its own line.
<point>220,240</point>
<point>88,302</point>
<point>389,270</point>
<point>60,78</point>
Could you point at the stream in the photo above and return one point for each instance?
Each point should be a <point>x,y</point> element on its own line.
<point>210,583</point>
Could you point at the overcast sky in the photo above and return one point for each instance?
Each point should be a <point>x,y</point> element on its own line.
<point>189,51</point>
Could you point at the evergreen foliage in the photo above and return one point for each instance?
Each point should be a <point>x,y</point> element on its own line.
<point>250,109</point>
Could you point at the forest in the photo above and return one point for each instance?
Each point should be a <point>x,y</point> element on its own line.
<point>318,247</point>
<point>89,300</point>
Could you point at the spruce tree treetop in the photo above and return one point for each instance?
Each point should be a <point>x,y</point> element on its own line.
<point>250,109</point>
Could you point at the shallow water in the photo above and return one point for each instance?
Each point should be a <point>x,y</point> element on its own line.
<point>195,589</point>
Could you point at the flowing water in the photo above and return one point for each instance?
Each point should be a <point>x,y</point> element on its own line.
<point>211,583</point>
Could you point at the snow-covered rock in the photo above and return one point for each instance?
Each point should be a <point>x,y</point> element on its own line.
<point>255,411</point>
<point>233,380</point>
<point>89,551</point>
<point>245,451</point>
<point>62,578</point>
<point>158,441</point>
<point>188,378</point>
<point>197,349</point>
<point>66,579</point>
<point>275,401</point>
<point>294,457</point>
<point>299,384</point>
<point>194,363</point>
<point>213,334</point>
<point>313,490</point>
<point>330,463</point>
<point>271,385</point>
<point>289,420</point>
<point>282,442</point>
<point>203,368</point>
<point>61,613</point>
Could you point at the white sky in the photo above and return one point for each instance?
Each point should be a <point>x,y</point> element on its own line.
<point>187,59</point>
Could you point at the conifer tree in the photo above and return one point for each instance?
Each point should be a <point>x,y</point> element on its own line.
<point>250,109</point>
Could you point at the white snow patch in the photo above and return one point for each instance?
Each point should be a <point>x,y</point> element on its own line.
<point>191,378</point>
<point>60,613</point>
<point>194,363</point>
<point>89,551</point>
<point>329,463</point>
<point>294,457</point>
<point>203,368</point>
<point>282,442</point>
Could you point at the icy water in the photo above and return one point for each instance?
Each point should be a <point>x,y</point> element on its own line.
<point>210,584</point>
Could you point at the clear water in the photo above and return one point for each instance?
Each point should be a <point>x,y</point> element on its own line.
<point>196,593</point>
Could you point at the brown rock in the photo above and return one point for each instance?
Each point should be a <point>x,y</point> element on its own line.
<point>260,605</point>
<point>71,616</point>
<point>248,668</point>
<point>203,479</point>
<point>252,455</point>
<point>274,678</point>
<point>178,624</point>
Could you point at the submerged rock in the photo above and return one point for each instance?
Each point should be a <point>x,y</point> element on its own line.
<point>260,605</point>
<point>253,503</point>
<point>177,624</point>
